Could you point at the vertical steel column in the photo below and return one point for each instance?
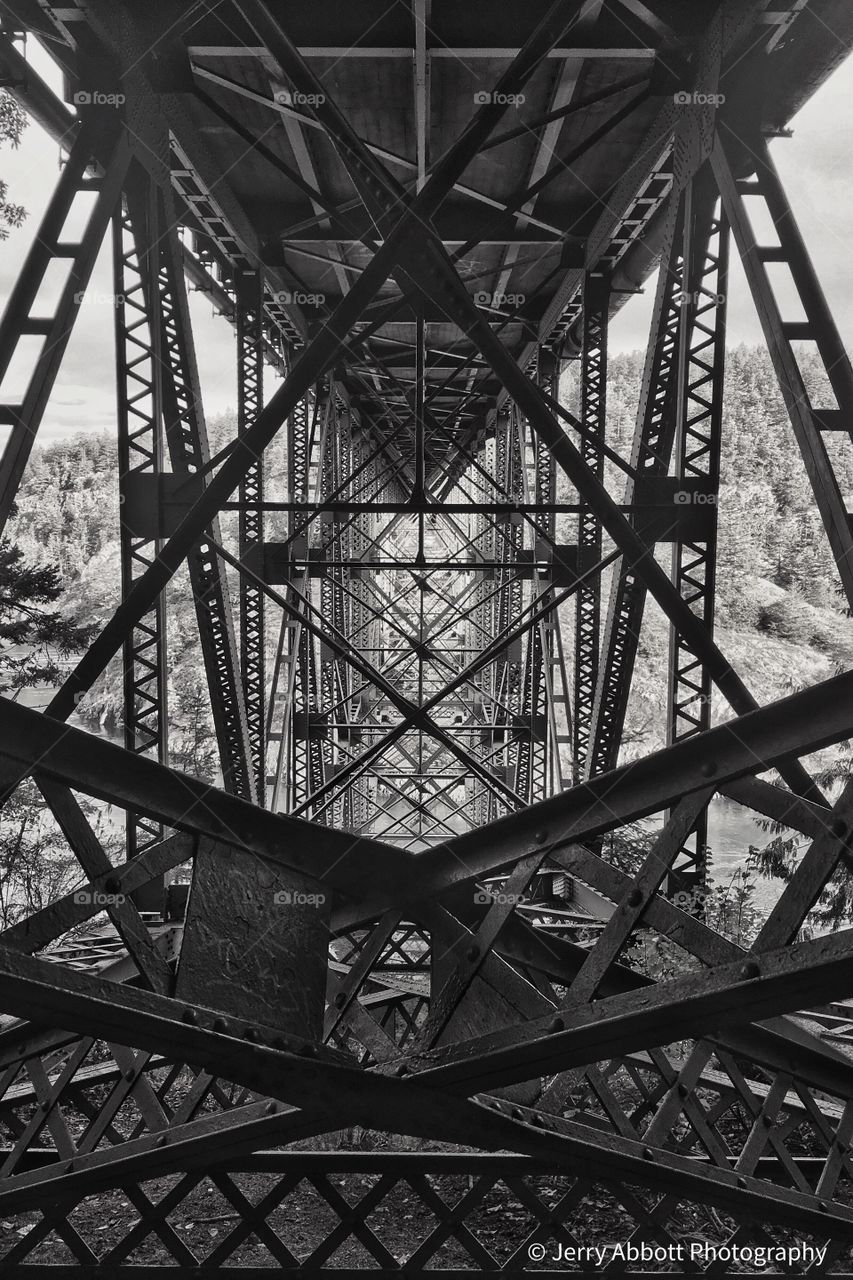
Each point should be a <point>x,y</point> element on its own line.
<point>250,365</point>
<point>512,596</point>
<point>505,541</point>
<point>364,623</point>
<point>308,429</point>
<point>186,439</point>
<point>336,545</point>
<point>588,599</point>
<point>650,458</point>
<point>532,744</point>
<point>701,365</point>
<point>552,722</point>
<point>281,709</point>
<point>533,771</point>
<point>481,628</point>
<point>140,452</point>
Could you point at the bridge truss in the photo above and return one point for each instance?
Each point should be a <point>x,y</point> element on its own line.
<point>404,910</point>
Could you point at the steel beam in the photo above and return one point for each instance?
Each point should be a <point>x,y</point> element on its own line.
<point>250,367</point>
<point>593,375</point>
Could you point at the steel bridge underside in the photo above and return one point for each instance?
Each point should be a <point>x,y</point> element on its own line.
<point>419,572</point>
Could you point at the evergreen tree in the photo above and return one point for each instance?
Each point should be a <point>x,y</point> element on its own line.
<point>34,639</point>
<point>192,745</point>
<point>36,864</point>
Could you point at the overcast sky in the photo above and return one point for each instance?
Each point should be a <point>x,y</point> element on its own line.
<point>816,165</point>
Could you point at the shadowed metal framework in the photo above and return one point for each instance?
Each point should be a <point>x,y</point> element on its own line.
<point>419,630</point>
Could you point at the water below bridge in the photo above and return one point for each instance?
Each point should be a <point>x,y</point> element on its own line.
<point>731,831</point>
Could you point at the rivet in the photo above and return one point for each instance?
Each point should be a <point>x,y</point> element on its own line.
<point>751,969</point>
<point>162,1140</point>
<point>683,1091</point>
<point>340,999</point>
<point>541,837</point>
<point>251,1033</point>
<point>823,1206</point>
<point>839,827</point>
<point>271,1108</point>
<point>556,1024</point>
<point>220,1024</point>
<point>709,768</point>
<point>189,1016</point>
<point>401,1069</point>
<point>309,1051</point>
<point>473,952</point>
<point>635,897</point>
<point>130,1074</point>
<point>741,1182</point>
<point>648,1154</point>
<point>767,1121</point>
<point>518,1114</point>
<point>112,884</point>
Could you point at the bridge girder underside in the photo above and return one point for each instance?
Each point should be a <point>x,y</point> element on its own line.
<point>419,629</point>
